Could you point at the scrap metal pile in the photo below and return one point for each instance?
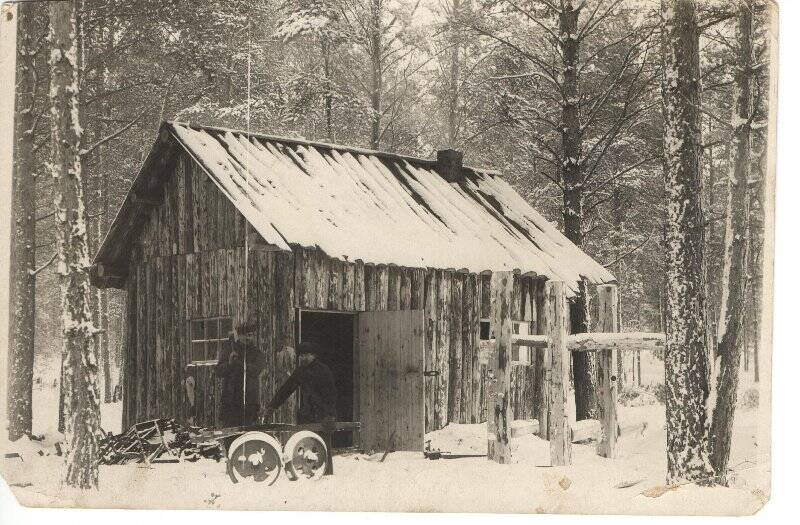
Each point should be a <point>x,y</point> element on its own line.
<point>157,441</point>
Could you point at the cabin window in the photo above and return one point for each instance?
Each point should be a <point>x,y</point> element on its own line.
<point>206,337</point>
<point>485,330</point>
<point>521,354</point>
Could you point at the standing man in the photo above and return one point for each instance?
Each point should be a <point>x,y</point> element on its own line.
<point>231,369</point>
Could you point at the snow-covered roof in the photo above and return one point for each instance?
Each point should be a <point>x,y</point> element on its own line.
<point>382,208</point>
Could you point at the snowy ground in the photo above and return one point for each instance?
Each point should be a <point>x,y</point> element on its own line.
<point>408,482</point>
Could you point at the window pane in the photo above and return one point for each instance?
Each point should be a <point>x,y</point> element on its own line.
<point>484,330</point>
<point>197,330</point>
<point>226,327</point>
<point>213,350</point>
<point>198,351</point>
<point>212,329</point>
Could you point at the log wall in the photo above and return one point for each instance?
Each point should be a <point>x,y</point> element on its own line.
<point>454,304</point>
<point>522,389</point>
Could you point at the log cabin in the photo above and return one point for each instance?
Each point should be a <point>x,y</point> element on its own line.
<point>383,258</point>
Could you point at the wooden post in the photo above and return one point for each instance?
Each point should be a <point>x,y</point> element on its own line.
<point>542,364</point>
<point>499,368</point>
<point>560,435</point>
<point>606,368</point>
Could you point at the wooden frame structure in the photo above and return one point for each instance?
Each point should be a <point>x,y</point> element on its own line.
<point>554,422</point>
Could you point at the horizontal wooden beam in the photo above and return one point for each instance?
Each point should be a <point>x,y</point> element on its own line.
<point>145,200</point>
<point>107,276</point>
<point>593,342</point>
<point>108,270</point>
<point>531,341</point>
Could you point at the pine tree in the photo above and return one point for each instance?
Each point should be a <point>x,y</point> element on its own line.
<point>81,398</point>
<point>686,353</point>
<point>585,83</point>
<point>23,237</point>
<point>732,327</point>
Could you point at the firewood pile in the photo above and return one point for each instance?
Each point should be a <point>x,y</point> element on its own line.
<point>156,441</point>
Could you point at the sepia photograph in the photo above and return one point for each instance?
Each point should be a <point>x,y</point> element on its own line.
<point>430,256</point>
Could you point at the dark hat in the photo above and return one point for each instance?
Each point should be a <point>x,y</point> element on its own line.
<point>307,347</point>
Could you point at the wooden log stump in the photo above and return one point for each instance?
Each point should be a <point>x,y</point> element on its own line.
<point>606,366</point>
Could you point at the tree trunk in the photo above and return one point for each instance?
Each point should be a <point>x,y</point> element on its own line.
<point>22,306</point>
<point>328,97</point>
<point>103,223</point>
<point>686,357</point>
<point>756,344</point>
<point>755,266</point>
<point>583,363</point>
<point>455,75</point>
<point>81,398</point>
<point>734,275</point>
<point>376,80</point>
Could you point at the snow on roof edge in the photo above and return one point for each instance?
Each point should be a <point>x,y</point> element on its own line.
<point>329,145</point>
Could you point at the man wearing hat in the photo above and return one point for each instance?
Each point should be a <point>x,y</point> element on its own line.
<point>317,388</point>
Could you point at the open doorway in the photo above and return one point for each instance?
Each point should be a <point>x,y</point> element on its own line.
<point>334,332</point>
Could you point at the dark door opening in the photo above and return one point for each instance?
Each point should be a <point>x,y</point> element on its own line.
<point>333,332</point>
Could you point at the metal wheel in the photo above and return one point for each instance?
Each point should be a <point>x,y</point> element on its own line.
<point>255,457</point>
<point>306,456</point>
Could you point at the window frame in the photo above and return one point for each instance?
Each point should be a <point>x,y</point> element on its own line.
<point>516,328</point>
<point>222,335</point>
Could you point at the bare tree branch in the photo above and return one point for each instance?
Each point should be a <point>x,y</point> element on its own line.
<point>32,273</point>
<point>85,152</point>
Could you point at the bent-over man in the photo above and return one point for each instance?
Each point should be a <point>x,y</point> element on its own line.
<point>316,384</point>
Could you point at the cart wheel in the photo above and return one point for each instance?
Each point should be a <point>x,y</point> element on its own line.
<point>306,456</point>
<point>255,456</point>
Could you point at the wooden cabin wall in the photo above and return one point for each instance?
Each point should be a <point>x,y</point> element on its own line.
<point>454,303</point>
<point>189,262</point>
<point>193,215</point>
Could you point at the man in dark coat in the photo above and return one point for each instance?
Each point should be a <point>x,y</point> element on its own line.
<point>316,384</point>
<point>230,368</point>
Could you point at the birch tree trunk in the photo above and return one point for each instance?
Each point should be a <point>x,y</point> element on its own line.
<point>22,305</point>
<point>686,357</point>
<point>81,398</point>
<point>734,276</point>
<point>583,364</point>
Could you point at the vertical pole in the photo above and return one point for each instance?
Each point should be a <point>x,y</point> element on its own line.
<point>560,434</point>
<point>543,364</point>
<point>497,401</point>
<point>606,382</point>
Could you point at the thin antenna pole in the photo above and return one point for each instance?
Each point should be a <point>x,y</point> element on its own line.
<point>246,234</point>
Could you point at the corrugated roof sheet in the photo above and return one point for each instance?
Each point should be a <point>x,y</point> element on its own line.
<point>382,208</point>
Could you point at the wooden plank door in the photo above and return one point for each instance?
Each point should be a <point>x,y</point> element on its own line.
<point>390,390</point>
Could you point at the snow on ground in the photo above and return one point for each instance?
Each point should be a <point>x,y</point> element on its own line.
<point>407,481</point>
